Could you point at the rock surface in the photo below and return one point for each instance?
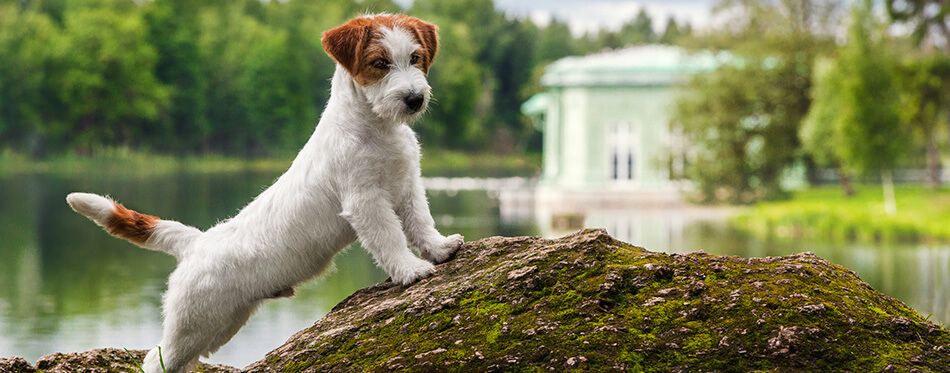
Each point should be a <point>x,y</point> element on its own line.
<point>592,303</point>
<point>105,360</point>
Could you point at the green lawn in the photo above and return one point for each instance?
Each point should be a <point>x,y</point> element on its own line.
<point>824,213</point>
<point>124,161</point>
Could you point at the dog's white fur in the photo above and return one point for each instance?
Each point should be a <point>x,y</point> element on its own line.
<point>357,177</point>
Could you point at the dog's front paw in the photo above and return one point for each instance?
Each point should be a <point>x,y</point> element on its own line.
<point>445,249</point>
<point>414,270</point>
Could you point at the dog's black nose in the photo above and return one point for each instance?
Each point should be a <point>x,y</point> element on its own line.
<point>414,101</point>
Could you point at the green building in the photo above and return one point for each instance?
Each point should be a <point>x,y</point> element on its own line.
<point>606,124</point>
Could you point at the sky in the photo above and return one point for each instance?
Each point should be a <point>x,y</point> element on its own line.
<point>590,15</point>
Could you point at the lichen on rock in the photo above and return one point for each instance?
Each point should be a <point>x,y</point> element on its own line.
<point>588,302</point>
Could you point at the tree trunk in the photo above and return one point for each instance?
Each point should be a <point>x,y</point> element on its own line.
<point>887,181</point>
<point>845,180</point>
<point>933,163</point>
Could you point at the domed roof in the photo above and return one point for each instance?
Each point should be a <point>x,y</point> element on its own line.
<point>639,65</point>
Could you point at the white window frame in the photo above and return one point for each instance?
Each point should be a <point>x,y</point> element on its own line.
<point>623,156</point>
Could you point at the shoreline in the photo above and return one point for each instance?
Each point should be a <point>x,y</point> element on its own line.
<point>436,163</point>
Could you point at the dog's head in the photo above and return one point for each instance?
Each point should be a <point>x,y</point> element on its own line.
<point>388,57</point>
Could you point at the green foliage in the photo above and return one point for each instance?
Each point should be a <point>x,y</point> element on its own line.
<point>867,128</point>
<point>924,84</point>
<point>855,122</point>
<point>106,83</point>
<point>928,18</point>
<point>25,71</point>
<point>673,32</point>
<point>456,79</point>
<point>817,133</point>
<point>742,120</point>
<point>173,31</point>
<point>250,77</point>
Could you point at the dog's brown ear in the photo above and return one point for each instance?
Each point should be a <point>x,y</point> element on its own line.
<point>345,44</point>
<point>428,35</point>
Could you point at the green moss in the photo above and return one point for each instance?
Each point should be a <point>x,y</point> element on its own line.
<point>615,305</point>
<point>492,333</point>
<point>296,366</point>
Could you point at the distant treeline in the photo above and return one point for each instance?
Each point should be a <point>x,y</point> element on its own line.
<point>808,96</point>
<point>249,77</point>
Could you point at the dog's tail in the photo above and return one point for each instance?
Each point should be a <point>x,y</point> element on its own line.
<point>147,231</point>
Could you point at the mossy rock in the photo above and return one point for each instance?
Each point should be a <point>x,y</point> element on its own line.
<point>105,360</point>
<point>588,302</point>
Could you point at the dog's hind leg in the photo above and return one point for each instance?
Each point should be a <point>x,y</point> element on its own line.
<point>193,327</point>
<point>238,320</point>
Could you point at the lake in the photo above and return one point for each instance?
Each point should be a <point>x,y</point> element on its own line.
<point>67,286</point>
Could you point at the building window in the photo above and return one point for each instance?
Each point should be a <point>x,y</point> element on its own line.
<point>630,170</point>
<point>623,152</point>
<point>614,164</point>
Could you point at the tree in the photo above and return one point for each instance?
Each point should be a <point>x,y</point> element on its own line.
<point>639,30</point>
<point>173,31</point>
<point>866,134</point>
<point>928,18</point>
<point>505,49</point>
<point>924,83</point>
<point>26,100</point>
<point>554,41</point>
<point>924,77</point>
<point>742,120</point>
<point>456,84</point>
<point>818,133</point>
<point>228,35</point>
<point>742,126</point>
<point>107,86</point>
<point>672,31</point>
<point>873,137</point>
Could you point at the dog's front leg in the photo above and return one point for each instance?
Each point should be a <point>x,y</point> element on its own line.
<point>380,233</point>
<point>420,227</point>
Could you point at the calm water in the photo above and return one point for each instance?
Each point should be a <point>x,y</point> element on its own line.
<point>67,286</point>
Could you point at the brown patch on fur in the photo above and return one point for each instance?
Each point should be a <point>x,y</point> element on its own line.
<point>427,35</point>
<point>355,45</point>
<point>131,225</point>
<point>284,293</point>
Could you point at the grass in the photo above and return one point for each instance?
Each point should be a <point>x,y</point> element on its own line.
<point>130,162</point>
<point>161,359</point>
<point>923,214</point>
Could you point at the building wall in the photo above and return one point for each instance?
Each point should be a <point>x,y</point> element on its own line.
<point>578,136</point>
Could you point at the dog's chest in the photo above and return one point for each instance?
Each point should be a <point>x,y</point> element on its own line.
<point>393,167</point>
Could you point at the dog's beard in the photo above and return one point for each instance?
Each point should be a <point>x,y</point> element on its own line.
<point>391,107</point>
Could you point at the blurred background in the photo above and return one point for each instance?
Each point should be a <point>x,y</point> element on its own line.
<point>739,127</point>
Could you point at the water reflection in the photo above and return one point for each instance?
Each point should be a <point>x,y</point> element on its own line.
<point>66,286</point>
<point>919,275</point>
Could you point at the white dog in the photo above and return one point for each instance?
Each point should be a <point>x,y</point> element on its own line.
<point>357,177</point>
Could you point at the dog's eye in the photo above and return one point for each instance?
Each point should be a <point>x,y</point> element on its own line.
<point>413,59</point>
<point>381,64</point>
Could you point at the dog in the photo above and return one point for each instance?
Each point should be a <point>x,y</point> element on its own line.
<point>357,177</point>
